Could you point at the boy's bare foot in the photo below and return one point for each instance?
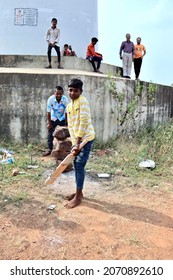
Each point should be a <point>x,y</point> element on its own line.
<point>74,202</point>
<point>71,196</point>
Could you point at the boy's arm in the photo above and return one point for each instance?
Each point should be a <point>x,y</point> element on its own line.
<point>58,36</point>
<point>83,121</point>
<point>98,54</point>
<point>83,117</point>
<point>70,128</point>
<point>49,124</point>
<point>76,148</point>
<point>66,121</point>
<point>65,104</point>
<point>47,35</point>
<point>144,52</point>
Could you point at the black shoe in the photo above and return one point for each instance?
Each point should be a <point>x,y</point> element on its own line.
<point>48,67</point>
<point>98,71</point>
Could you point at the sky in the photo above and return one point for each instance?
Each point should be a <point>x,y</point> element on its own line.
<point>152,20</point>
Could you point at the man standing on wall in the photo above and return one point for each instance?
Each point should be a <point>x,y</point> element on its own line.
<point>52,37</point>
<point>140,51</point>
<point>127,47</point>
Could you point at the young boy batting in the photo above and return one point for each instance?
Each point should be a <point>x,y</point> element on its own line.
<point>80,128</point>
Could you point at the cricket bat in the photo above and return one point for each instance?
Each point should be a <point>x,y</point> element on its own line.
<point>62,166</point>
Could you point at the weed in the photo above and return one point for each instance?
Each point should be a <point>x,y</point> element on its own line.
<point>30,148</point>
<point>134,240</point>
<point>16,199</point>
<point>129,110</point>
<point>151,91</point>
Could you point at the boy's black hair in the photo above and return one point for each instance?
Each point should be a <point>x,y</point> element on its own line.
<point>54,19</point>
<point>59,88</point>
<point>75,83</point>
<point>94,39</point>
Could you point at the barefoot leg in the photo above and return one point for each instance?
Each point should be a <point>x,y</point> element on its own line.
<point>76,200</point>
<point>71,196</point>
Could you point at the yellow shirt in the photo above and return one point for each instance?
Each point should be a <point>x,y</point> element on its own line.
<point>79,120</point>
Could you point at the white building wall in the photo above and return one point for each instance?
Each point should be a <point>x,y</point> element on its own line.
<point>77,20</point>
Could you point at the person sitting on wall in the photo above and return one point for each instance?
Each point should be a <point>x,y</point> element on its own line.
<point>66,51</point>
<point>93,56</point>
<point>72,53</point>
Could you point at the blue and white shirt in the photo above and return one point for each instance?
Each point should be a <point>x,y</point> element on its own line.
<point>57,109</point>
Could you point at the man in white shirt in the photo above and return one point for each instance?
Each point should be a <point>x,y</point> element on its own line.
<point>52,37</point>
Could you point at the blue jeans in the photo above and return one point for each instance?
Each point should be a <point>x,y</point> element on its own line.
<point>80,162</point>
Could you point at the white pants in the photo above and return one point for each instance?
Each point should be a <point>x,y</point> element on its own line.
<point>127,64</point>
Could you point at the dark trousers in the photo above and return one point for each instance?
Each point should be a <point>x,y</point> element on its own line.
<point>137,66</point>
<point>50,132</point>
<point>57,49</point>
<point>97,59</point>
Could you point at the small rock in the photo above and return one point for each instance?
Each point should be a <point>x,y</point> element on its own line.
<point>51,207</point>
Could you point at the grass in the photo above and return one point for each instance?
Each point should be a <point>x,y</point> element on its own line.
<point>15,190</point>
<point>23,159</point>
<point>127,152</point>
<point>17,199</point>
<point>118,157</point>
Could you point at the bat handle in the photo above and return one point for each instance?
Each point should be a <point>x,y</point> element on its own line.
<point>83,143</point>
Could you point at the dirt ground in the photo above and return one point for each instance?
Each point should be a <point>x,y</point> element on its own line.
<point>128,223</point>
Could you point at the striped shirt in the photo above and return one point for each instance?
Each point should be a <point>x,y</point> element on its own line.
<point>79,120</point>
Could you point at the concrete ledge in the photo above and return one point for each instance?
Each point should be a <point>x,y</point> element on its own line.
<point>31,61</point>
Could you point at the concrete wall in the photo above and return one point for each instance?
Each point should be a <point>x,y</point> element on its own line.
<point>24,93</point>
<point>31,61</point>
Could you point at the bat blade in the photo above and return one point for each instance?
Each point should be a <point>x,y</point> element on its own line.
<point>69,159</point>
<point>62,166</point>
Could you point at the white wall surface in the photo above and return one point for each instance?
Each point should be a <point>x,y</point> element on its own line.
<point>77,20</point>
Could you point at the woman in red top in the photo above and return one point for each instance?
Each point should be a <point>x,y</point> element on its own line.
<point>66,51</point>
